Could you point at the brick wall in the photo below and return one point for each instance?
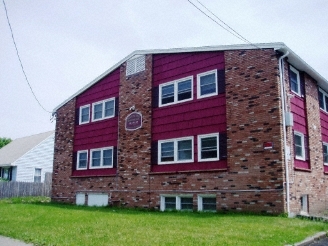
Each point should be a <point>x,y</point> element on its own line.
<point>63,154</point>
<point>134,156</point>
<point>254,117</point>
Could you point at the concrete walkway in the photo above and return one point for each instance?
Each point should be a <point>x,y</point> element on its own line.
<point>6,241</point>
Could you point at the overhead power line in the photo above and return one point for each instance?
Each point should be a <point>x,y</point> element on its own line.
<point>20,61</point>
<point>222,24</point>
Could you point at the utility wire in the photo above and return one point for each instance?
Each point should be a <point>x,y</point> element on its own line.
<point>20,61</point>
<point>224,26</point>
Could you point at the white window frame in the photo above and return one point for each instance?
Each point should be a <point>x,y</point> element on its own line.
<point>200,137</point>
<point>38,176</point>
<point>177,202</point>
<point>103,102</point>
<point>325,94</point>
<point>324,145</point>
<point>176,92</point>
<point>80,115</point>
<point>298,80</point>
<point>78,160</point>
<point>200,201</point>
<point>101,158</point>
<point>198,84</point>
<point>175,150</point>
<point>302,157</point>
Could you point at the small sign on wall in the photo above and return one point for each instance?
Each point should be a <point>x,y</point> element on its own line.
<point>268,145</point>
<point>133,121</point>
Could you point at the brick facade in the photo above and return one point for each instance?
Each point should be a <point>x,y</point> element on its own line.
<point>254,179</point>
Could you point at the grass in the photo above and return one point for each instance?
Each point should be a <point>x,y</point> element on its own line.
<point>37,221</point>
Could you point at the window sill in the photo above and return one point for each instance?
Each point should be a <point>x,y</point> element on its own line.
<point>94,173</point>
<point>302,169</point>
<point>190,167</point>
<point>190,171</point>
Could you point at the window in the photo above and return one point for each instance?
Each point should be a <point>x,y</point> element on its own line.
<point>82,160</point>
<point>208,147</point>
<point>181,202</point>
<point>37,175</point>
<point>295,82</point>
<point>84,114</point>
<point>299,146</point>
<point>103,109</point>
<point>323,100</point>
<point>325,153</point>
<point>135,65</point>
<point>207,203</point>
<point>176,91</point>
<point>175,150</point>
<point>101,158</point>
<point>207,84</point>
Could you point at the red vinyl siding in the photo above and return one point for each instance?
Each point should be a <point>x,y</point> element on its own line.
<point>324,131</point>
<point>300,125</point>
<point>102,133</point>
<point>191,118</point>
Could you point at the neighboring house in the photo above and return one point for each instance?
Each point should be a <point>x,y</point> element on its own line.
<point>28,159</point>
<point>239,127</point>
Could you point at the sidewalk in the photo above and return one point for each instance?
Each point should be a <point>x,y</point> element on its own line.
<point>6,241</point>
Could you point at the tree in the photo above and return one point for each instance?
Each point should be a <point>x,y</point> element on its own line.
<point>4,141</point>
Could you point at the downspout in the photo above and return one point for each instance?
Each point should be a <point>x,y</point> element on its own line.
<point>283,102</point>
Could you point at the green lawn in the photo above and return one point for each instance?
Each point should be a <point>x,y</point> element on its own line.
<point>44,223</point>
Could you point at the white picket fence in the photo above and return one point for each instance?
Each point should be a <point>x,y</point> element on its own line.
<point>19,189</point>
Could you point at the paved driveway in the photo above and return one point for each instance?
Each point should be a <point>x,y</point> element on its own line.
<point>6,241</point>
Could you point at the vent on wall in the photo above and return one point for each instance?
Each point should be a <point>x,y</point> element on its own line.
<point>135,65</point>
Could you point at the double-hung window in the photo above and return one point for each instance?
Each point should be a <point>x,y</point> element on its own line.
<point>323,100</point>
<point>101,158</point>
<point>208,147</point>
<point>37,175</point>
<point>325,153</point>
<point>103,109</point>
<point>295,81</point>
<point>207,84</point>
<point>176,150</point>
<point>84,114</point>
<point>82,160</point>
<point>176,91</point>
<point>299,146</point>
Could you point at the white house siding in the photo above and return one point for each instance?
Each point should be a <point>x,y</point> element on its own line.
<point>41,156</point>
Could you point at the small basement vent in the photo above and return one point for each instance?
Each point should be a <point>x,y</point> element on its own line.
<point>135,65</point>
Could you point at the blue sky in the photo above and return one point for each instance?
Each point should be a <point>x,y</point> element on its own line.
<point>65,44</point>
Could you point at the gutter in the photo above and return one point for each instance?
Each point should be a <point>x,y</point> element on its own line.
<point>283,102</point>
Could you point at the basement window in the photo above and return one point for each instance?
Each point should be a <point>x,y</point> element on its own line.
<point>207,202</point>
<point>135,65</point>
<point>181,202</point>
